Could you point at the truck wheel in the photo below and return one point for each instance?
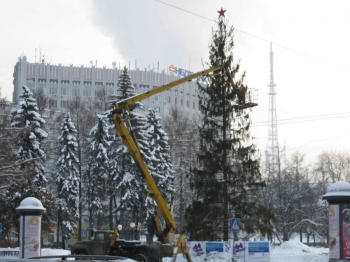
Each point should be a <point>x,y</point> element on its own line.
<point>81,253</point>
<point>141,258</point>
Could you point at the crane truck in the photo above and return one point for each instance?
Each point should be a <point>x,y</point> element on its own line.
<point>106,241</point>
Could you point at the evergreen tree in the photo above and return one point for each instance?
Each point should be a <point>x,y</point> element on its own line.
<point>134,192</point>
<point>228,174</point>
<point>161,163</point>
<point>67,178</point>
<point>83,119</point>
<point>102,181</point>
<point>28,151</point>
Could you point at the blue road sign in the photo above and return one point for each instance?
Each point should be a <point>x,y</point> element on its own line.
<point>0,228</point>
<point>235,223</point>
<point>83,233</point>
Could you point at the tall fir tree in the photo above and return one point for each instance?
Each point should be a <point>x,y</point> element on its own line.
<point>161,163</point>
<point>102,169</point>
<point>67,178</point>
<point>228,174</point>
<point>134,192</point>
<point>29,153</point>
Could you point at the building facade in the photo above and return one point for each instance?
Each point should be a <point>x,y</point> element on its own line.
<point>62,83</point>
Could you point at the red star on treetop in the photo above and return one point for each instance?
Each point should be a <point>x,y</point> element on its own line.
<point>221,12</point>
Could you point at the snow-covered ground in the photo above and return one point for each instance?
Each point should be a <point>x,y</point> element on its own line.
<point>291,250</point>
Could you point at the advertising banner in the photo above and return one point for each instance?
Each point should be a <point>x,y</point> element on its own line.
<point>32,231</point>
<point>214,246</point>
<point>239,250</point>
<point>196,246</point>
<point>334,236</point>
<point>257,251</point>
<point>346,230</point>
<point>206,247</point>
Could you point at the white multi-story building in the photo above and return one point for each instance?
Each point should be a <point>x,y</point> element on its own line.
<point>62,83</point>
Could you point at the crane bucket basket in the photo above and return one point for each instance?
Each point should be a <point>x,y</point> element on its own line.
<point>251,99</point>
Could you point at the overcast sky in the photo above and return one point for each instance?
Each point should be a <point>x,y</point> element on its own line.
<point>310,43</point>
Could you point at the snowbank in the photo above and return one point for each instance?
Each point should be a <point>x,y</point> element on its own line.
<point>295,251</point>
<point>291,250</point>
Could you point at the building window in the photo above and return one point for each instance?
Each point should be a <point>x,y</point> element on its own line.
<point>169,99</point>
<point>87,92</point>
<point>98,84</point>
<point>194,105</point>
<point>188,104</point>
<point>109,84</point>
<point>30,82</point>
<point>144,87</point>
<point>176,101</point>
<point>63,91</point>
<point>75,92</point>
<point>53,103</point>
<point>87,83</point>
<point>64,104</point>
<point>65,82</point>
<point>182,102</point>
<point>42,82</point>
<point>53,82</point>
<point>110,92</point>
<point>53,90</point>
<point>76,83</point>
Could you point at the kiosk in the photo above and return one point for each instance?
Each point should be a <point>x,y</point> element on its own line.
<point>30,211</point>
<point>338,198</point>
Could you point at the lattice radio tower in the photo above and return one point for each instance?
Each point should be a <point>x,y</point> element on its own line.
<point>272,150</point>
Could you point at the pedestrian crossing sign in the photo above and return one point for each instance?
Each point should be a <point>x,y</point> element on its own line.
<point>235,223</point>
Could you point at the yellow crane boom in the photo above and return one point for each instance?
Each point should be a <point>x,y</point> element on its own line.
<point>131,143</point>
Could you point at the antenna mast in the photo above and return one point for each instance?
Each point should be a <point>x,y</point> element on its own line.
<point>272,150</point>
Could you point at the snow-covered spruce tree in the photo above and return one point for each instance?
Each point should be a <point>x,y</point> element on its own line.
<point>134,193</point>
<point>83,119</point>
<point>28,151</point>
<point>158,144</point>
<point>228,174</point>
<point>102,181</point>
<point>67,178</point>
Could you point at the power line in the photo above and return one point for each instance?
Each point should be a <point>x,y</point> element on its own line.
<point>320,140</point>
<point>243,32</point>
<point>305,117</point>
<point>6,73</point>
<point>310,120</point>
